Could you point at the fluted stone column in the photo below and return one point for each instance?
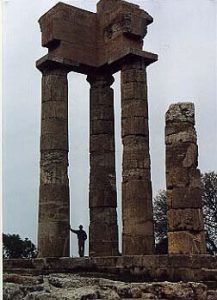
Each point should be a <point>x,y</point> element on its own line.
<point>137,212</point>
<point>103,231</point>
<point>184,202</point>
<point>53,229</point>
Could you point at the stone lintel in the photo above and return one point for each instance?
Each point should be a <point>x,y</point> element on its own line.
<point>114,64</point>
<point>51,62</point>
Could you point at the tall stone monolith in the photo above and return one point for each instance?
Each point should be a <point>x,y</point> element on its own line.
<point>184,202</point>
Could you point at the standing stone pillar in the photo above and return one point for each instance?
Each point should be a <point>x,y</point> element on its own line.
<point>185,217</point>
<point>103,234</point>
<point>53,230</point>
<point>137,212</point>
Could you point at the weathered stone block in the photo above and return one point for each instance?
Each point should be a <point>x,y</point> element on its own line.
<point>135,190</point>
<point>135,126</point>
<point>99,112</point>
<point>134,90</point>
<point>101,98</point>
<point>134,108</point>
<point>51,142</point>
<point>101,127</point>
<point>181,137</point>
<point>136,143</point>
<point>54,87</point>
<point>54,126</point>
<point>189,219</point>
<point>55,193</point>
<point>184,242</point>
<point>184,197</point>
<point>181,112</point>
<point>137,245</point>
<point>137,227</point>
<point>135,174</point>
<point>54,110</point>
<point>102,143</point>
<point>133,75</point>
<point>102,160</point>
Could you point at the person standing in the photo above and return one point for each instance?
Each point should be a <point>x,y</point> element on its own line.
<point>82,236</point>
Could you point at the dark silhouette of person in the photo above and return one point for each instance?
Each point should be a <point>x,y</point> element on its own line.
<point>82,236</point>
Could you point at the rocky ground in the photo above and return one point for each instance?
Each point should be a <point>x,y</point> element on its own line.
<point>83,287</point>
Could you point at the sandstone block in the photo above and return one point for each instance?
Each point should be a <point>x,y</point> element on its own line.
<point>54,173</point>
<point>135,174</point>
<point>133,75</point>
<point>134,189</point>
<point>54,211</point>
<point>54,110</point>
<point>54,193</point>
<point>176,127</point>
<point>50,142</point>
<point>188,219</point>
<point>136,143</point>
<point>102,112</point>
<point>134,90</point>
<point>137,227</point>
<point>135,126</point>
<point>184,197</point>
<point>134,108</point>
<point>181,137</point>
<point>102,160</point>
<point>137,245</point>
<point>102,143</point>
<point>181,112</point>
<point>54,87</point>
<point>54,126</point>
<point>177,177</point>
<point>101,97</point>
<point>101,127</point>
<point>183,242</point>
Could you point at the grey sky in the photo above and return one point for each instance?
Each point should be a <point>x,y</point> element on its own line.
<point>184,35</point>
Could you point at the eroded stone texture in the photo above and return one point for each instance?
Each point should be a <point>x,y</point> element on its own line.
<point>103,234</point>
<point>138,237</point>
<point>53,232</point>
<point>185,217</point>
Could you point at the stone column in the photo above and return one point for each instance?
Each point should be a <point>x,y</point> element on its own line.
<point>185,218</point>
<point>137,212</point>
<point>54,213</point>
<point>103,234</point>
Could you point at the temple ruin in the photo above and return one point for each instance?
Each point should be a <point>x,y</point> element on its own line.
<point>98,45</point>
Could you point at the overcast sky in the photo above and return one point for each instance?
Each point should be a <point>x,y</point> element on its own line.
<point>184,35</point>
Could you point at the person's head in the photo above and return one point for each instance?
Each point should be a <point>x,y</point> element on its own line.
<point>80,227</point>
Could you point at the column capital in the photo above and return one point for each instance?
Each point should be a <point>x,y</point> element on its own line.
<point>48,65</point>
<point>101,78</point>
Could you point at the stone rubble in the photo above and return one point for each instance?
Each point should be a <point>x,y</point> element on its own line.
<point>77,287</point>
